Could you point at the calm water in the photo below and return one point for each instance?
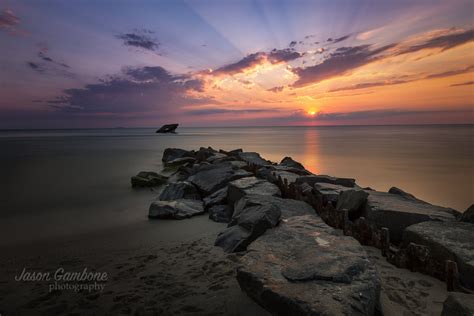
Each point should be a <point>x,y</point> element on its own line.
<point>67,181</point>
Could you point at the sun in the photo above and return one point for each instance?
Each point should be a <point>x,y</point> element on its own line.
<point>311,112</point>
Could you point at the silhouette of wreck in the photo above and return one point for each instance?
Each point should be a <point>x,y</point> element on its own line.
<point>168,128</point>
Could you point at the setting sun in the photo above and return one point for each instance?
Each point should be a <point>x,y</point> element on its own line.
<point>311,112</point>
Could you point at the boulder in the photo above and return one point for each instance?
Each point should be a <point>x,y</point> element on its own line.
<point>215,178</point>
<point>217,157</point>
<point>147,179</point>
<point>288,207</point>
<point>289,162</point>
<point>271,174</point>
<point>174,153</point>
<point>177,209</point>
<point>253,158</point>
<point>446,241</point>
<point>396,212</point>
<point>304,267</point>
<point>220,213</point>
<point>329,192</point>
<point>395,190</point>
<point>218,197</point>
<point>352,201</point>
<point>179,190</point>
<point>250,185</point>
<point>179,162</point>
<point>253,221</point>
<point>312,179</point>
<point>468,215</point>
<point>458,304</point>
<point>168,128</point>
<point>204,153</point>
<point>238,164</point>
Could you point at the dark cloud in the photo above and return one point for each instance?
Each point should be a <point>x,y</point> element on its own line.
<point>141,39</point>
<point>443,42</point>
<point>329,39</point>
<point>283,55</point>
<point>135,90</point>
<point>341,61</point>
<point>451,73</point>
<point>35,66</point>
<point>370,85</point>
<point>340,39</point>
<point>292,44</point>
<point>276,89</point>
<point>468,83</point>
<point>8,19</point>
<point>216,111</point>
<point>42,55</point>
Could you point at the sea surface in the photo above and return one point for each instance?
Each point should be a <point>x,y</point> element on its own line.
<point>61,182</point>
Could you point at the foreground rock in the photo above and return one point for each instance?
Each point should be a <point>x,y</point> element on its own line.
<point>445,241</point>
<point>352,201</point>
<point>168,128</point>
<point>250,185</point>
<point>396,212</point>
<point>313,179</point>
<point>253,159</point>
<point>304,267</point>
<point>252,223</point>
<point>220,213</point>
<point>174,153</point>
<point>458,304</point>
<point>178,209</point>
<point>179,190</point>
<point>468,215</point>
<point>147,179</point>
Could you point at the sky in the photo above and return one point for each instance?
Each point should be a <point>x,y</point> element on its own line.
<point>92,64</point>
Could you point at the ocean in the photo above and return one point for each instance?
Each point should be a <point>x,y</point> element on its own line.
<point>62,182</point>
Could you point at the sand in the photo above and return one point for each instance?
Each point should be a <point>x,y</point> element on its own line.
<point>168,268</point>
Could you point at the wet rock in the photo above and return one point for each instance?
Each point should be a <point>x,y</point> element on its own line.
<point>175,153</point>
<point>271,174</point>
<point>304,267</point>
<point>215,178</point>
<point>352,201</point>
<point>250,185</point>
<point>179,190</point>
<point>218,197</point>
<point>237,164</point>
<point>458,304</point>
<point>289,162</point>
<point>396,212</point>
<point>329,192</point>
<point>312,179</point>
<point>253,221</point>
<point>287,207</point>
<point>179,162</point>
<point>468,215</point>
<point>177,209</point>
<point>451,240</point>
<point>217,157</point>
<point>147,179</point>
<point>253,158</point>
<point>204,153</point>
<point>220,213</point>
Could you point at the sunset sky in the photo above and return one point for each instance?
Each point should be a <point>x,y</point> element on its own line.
<point>228,63</point>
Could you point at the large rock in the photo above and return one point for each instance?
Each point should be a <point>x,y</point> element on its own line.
<point>288,207</point>
<point>458,304</point>
<point>329,192</point>
<point>271,174</point>
<point>289,162</point>
<point>252,222</point>
<point>253,158</point>
<point>179,190</point>
<point>396,212</point>
<point>408,196</point>
<point>220,213</point>
<point>304,267</point>
<point>352,201</point>
<point>216,177</point>
<point>178,209</point>
<point>173,153</point>
<point>312,179</point>
<point>250,185</point>
<point>179,162</point>
<point>468,215</point>
<point>216,198</point>
<point>446,241</point>
<point>147,179</point>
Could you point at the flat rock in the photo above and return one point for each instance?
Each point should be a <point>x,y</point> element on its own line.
<point>271,174</point>
<point>458,304</point>
<point>177,209</point>
<point>179,190</point>
<point>147,179</point>
<point>312,179</point>
<point>216,177</point>
<point>304,267</point>
<point>447,241</point>
<point>288,207</point>
<point>179,161</point>
<point>253,221</point>
<point>250,185</point>
<point>253,158</point>
<point>220,213</point>
<point>468,215</point>
<point>175,153</point>
<point>396,212</point>
<point>352,201</point>
<point>329,192</point>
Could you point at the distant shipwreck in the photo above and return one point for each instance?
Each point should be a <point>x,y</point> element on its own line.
<point>168,128</point>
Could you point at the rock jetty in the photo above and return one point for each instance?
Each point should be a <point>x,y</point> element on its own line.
<point>299,235</point>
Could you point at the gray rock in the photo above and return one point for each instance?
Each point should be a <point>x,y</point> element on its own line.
<point>237,164</point>
<point>179,162</point>
<point>304,267</point>
<point>218,197</point>
<point>288,207</point>
<point>178,209</point>
<point>204,153</point>
<point>396,212</point>
<point>215,178</point>
<point>271,174</point>
<point>175,153</point>
<point>217,156</point>
<point>250,185</point>
<point>312,179</point>
<point>329,192</point>
<point>408,196</point>
<point>220,213</point>
<point>147,179</point>
<point>289,162</point>
<point>468,215</point>
<point>253,158</point>
<point>446,241</point>
<point>352,201</point>
<point>179,190</point>
<point>458,304</point>
<point>253,221</point>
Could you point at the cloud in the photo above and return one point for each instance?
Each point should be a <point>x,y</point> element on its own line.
<point>340,39</point>
<point>341,61</point>
<point>9,22</point>
<point>276,89</point>
<point>35,66</point>
<point>140,39</point>
<point>134,90</point>
<point>292,44</point>
<point>46,58</point>
<point>451,73</point>
<point>468,83</point>
<point>370,85</point>
<point>216,111</point>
